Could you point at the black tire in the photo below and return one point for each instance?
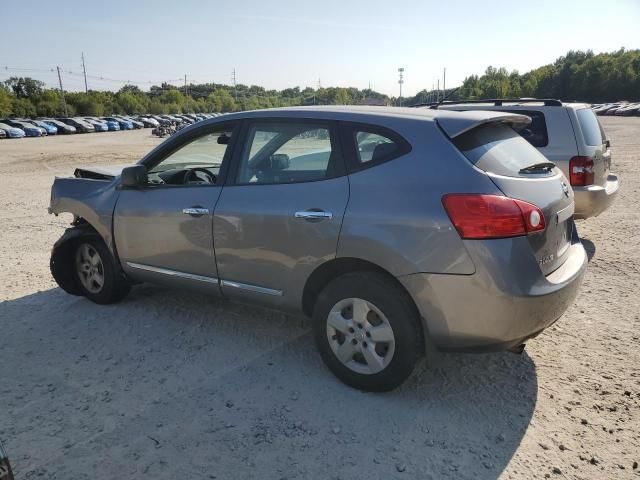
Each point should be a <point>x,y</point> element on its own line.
<point>115,286</point>
<point>401,314</point>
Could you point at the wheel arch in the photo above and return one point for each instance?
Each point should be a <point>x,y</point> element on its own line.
<point>332,269</point>
<point>61,264</point>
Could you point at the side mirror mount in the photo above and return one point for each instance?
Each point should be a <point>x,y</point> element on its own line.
<point>279,161</point>
<point>134,176</point>
<point>607,143</point>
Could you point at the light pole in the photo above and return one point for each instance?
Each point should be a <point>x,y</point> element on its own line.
<point>400,82</point>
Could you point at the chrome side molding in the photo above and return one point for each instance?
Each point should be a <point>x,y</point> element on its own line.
<point>251,288</point>
<point>173,273</point>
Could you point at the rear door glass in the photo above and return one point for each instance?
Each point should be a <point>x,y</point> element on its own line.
<point>590,126</point>
<point>498,149</point>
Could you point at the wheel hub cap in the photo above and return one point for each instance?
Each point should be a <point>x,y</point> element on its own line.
<point>360,336</point>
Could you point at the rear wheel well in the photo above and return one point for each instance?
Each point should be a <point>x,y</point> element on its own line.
<point>331,270</point>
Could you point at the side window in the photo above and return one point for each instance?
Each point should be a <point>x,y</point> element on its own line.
<point>286,152</point>
<point>198,161</point>
<point>373,147</point>
<point>536,132</point>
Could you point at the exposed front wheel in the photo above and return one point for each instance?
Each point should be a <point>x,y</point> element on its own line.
<point>96,271</point>
<point>367,331</point>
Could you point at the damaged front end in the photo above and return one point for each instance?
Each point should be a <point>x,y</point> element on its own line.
<point>90,196</point>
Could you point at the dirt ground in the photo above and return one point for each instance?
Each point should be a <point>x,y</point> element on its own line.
<point>174,385</point>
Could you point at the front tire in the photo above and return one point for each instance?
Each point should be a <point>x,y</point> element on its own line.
<point>98,276</point>
<point>368,331</point>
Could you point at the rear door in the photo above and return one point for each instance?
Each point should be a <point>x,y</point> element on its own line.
<point>279,216</point>
<point>510,162</point>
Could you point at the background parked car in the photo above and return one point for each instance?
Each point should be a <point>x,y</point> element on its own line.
<point>124,124</point>
<point>569,135</point>
<point>99,125</point>
<point>148,122</point>
<point>29,129</point>
<point>63,128</point>
<point>3,134</point>
<point>11,132</point>
<point>51,129</point>
<point>136,124</point>
<point>81,125</point>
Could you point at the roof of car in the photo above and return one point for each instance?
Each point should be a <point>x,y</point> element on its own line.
<point>453,123</point>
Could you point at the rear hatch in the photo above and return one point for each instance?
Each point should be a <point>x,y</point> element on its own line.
<point>595,144</point>
<point>521,172</point>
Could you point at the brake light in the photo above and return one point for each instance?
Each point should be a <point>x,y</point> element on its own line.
<point>580,171</point>
<point>477,216</point>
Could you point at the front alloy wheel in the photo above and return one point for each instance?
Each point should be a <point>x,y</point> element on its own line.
<point>89,268</point>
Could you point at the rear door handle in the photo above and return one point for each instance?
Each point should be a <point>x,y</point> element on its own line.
<point>195,211</point>
<point>314,215</point>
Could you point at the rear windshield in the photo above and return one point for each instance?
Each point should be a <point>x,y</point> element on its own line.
<point>590,126</point>
<point>497,148</point>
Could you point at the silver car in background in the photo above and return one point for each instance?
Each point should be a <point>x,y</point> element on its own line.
<point>397,230</point>
<point>569,135</point>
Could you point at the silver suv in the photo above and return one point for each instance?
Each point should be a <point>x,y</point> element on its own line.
<point>569,135</point>
<point>396,230</point>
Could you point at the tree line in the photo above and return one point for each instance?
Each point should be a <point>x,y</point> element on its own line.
<point>577,75</point>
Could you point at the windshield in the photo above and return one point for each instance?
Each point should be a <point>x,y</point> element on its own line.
<point>497,148</point>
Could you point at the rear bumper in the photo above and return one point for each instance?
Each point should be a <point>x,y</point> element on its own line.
<point>507,301</point>
<point>595,199</point>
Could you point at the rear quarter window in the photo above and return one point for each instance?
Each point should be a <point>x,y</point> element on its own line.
<point>590,126</point>
<point>536,132</point>
<point>499,149</point>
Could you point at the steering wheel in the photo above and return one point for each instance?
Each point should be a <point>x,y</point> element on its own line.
<point>191,176</point>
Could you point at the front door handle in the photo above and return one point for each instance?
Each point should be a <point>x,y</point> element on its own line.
<point>195,211</point>
<point>314,215</point>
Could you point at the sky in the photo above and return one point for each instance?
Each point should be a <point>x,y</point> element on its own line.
<point>287,43</point>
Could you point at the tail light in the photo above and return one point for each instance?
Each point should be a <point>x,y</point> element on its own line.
<point>581,171</point>
<point>477,216</point>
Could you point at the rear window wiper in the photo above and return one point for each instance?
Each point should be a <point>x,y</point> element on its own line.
<point>538,167</point>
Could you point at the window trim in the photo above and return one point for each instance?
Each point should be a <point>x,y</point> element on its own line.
<point>338,168</point>
<point>348,132</point>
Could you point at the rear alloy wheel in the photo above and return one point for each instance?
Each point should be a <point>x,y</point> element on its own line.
<point>360,336</point>
<point>99,278</point>
<point>368,331</point>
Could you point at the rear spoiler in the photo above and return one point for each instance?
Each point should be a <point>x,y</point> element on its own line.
<point>456,123</point>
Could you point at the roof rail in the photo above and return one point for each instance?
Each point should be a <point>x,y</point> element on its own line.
<point>548,102</point>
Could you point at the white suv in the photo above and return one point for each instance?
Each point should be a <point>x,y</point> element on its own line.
<point>569,135</point>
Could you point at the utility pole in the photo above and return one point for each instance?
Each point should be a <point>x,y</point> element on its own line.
<point>185,84</point>
<point>438,92</point>
<point>400,82</point>
<point>444,82</point>
<point>64,102</point>
<point>235,91</point>
<point>84,70</point>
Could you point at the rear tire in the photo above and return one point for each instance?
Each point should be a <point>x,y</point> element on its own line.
<point>98,276</point>
<point>368,331</point>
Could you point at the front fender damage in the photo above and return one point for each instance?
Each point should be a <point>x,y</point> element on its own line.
<point>88,199</point>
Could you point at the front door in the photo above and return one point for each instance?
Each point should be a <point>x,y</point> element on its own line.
<point>279,216</point>
<point>163,230</point>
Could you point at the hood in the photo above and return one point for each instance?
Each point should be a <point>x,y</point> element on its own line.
<point>101,172</point>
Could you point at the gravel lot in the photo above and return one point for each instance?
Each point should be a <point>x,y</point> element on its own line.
<point>171,385</point>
